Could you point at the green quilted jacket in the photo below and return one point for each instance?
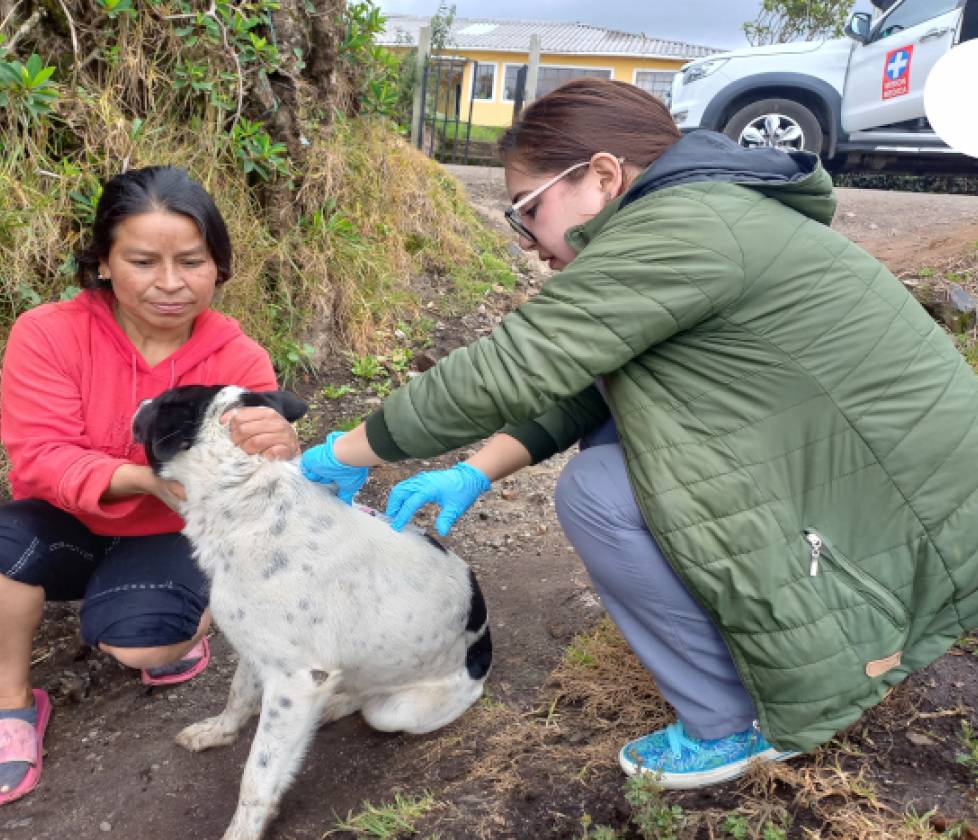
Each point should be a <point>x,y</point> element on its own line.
<point>799,433</point>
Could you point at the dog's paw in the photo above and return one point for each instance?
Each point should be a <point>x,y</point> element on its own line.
<point>206,734</point>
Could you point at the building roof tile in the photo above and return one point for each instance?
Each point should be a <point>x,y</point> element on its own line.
<point>555,37</point>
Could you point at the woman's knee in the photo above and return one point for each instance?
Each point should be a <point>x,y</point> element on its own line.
<point>142,618</point>
<point>144,657</point>
<point>572,492</point>
<point>156,656</point>
<point>593,489</point>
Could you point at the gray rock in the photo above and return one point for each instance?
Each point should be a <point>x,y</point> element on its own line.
<point>946,302</point>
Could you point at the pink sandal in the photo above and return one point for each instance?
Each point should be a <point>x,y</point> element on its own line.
<point>200,651</point>
<point>19,741</point>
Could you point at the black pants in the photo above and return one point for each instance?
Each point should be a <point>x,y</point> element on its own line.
<point>136,591</point>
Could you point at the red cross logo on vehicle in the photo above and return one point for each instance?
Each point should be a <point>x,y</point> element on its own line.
<point>896,72</point>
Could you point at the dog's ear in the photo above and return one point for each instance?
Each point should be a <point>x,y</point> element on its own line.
<point>171,423</point>
<point>175,430</point>
<point>284,402</point>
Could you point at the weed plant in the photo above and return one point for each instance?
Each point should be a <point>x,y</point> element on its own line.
<point>387,820</point>
<point>969,758</point>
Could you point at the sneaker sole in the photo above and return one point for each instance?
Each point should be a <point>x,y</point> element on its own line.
<point>688,781</point>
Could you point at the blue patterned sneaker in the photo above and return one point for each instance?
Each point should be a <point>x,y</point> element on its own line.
<point>686,762</point>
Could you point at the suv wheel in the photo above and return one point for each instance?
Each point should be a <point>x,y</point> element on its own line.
<point>777,123</point>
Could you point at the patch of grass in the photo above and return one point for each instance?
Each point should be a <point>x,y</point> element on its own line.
<point>387,821</point>
<point>969,348</point>
<point>653,815</point>
<point>969,758</point>
<point>383,387</point>
<point>600,674</point>
<point>475,279</point>
<point>400,359</point>
<point>349,424</point>
<point>600,832</point>
<point>366,368</point>
<point>334,392</point>
<point>417,332</point>
<point>476,133</point>
<point>346,264</point>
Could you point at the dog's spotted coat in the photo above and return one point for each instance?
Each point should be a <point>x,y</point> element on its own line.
<point>329,609</point>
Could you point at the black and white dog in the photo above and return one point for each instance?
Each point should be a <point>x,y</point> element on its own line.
<point>329,609</point>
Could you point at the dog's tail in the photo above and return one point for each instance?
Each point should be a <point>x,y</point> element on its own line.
<point>478,656</point>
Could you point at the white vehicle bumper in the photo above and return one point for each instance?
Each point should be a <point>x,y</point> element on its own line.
<point>689,101</point>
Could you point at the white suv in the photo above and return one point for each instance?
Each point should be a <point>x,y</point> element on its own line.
<point>854,100</point>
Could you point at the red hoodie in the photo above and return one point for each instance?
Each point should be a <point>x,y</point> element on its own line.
<point>72,381</point>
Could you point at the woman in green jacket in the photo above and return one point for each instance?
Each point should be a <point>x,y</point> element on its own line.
<point>777,497</point>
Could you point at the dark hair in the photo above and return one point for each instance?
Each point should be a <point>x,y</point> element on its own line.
<point>586,116</point>
<point>155,188</point>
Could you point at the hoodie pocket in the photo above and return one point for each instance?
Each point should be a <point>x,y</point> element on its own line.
<point>830,564</point>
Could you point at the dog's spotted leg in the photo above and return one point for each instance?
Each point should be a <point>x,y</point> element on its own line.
<point>244,701</point>
<point>290,713</point>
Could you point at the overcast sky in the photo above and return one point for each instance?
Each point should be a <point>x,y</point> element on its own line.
<point>712,23</point>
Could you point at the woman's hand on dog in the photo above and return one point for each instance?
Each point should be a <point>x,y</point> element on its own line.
<point>320,464</point>
<point>263,431</point>
<point>171,493</point>
<point>137,479</point>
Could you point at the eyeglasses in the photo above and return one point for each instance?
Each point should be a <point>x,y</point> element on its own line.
<point>513,213</point>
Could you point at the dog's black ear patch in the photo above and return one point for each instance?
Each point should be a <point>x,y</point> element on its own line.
<point>284,402</point>
<point>175,430</point>
<point>171,422</point>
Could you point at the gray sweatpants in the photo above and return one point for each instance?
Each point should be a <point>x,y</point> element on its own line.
<point>669,632</point>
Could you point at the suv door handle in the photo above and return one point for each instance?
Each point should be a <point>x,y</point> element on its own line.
<point>931,34</point>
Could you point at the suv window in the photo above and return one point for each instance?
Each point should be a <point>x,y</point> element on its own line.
<point>910,13</point>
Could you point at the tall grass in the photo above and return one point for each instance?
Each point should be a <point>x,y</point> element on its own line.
<point>376,215</point>
<point>372,214</point>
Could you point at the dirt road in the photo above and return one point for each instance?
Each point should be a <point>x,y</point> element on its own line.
<point>112,769</point>
<point>901,229</point>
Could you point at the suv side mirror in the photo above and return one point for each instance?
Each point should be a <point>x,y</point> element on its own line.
<point>859,27</point>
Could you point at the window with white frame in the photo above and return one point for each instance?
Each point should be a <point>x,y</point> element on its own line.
<point>484,81</point>
<point>510,73</point>
<point>550,78</point>
<point>656,82</point>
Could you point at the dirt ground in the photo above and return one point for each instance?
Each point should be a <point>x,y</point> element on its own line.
<point>538,753</point>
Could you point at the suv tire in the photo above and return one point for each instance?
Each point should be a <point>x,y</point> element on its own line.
<point>782,123</point>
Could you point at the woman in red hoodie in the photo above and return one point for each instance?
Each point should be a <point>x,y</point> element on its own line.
<point>90,519</point>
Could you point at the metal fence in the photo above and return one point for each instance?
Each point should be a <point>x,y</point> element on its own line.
<point>445,135</point>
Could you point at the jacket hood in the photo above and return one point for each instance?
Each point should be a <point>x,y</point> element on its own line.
<point>211,331</point>
<point>796,179</point>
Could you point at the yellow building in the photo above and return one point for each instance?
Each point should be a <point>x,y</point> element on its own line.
<point>493,51</point>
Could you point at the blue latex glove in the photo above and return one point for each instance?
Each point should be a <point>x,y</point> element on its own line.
<point>320,464</point>
<point>453,490</point>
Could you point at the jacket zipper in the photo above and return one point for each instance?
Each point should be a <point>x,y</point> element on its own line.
<point>822,552</point>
